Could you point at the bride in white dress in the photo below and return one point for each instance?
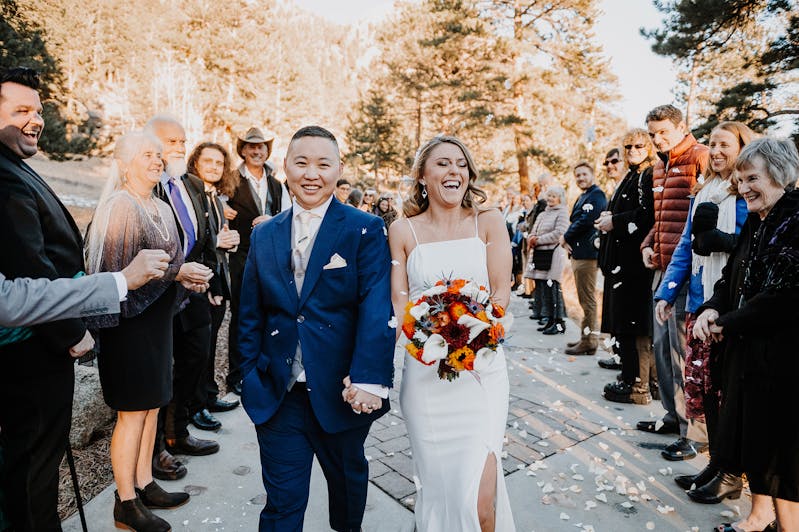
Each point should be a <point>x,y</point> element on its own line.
<point>456,428</point>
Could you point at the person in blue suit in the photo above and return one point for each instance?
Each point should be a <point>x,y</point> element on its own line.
<point>316,333</point>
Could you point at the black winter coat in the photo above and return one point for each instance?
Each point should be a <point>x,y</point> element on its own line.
<point>627,298</point>
<point>756,298</point>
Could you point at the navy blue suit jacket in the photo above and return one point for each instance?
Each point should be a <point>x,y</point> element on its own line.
<point>341,318</point>
<point>581,233</point>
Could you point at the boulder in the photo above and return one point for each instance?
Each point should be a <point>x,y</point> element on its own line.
<point>89,411</point>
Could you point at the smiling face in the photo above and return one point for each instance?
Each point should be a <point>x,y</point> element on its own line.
<point>210,165</point>
<point>584,177</point>
<point>665,134</point>
<point>173,139</point>
<point>143,172</point>
<point>343,192</point>
<point>21,122</point>
<point>724,149</point>
<point>255,154</point>
<point>313,167</point>
<point>757,188</point>
<point>613,166</point>
<point>553,198</point>
<point>446,175</point>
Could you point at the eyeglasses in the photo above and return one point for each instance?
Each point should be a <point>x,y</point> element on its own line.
<point>611,161</point>
<point>628,147</point>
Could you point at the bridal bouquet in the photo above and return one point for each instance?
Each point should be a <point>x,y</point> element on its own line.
<point>455,324</point>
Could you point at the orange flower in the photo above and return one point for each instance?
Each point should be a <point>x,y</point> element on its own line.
<point>441,319</point>
<point>482,316</point>
<point>408,321</point>
<point>456,285</point>
<point>416,352</point>
<point>496,333</point>
<point>461,359</point>
<point>498,311</point>
<point>458,309</point>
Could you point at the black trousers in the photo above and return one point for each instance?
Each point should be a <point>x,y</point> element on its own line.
<point>190,353</point>
<point>210,392</point>
<point>628,355</point>
<point>35,415</point>
<point>233,355</point>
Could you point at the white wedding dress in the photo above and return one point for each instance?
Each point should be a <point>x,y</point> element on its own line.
<point>453,426</point>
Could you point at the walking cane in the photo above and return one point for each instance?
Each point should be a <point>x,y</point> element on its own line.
<point>74,474</point>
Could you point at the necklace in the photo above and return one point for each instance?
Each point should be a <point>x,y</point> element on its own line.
<point>161,228</point>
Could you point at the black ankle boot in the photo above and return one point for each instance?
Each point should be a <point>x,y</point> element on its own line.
<point>720,487</point>
<point>555,327</point>
<point>687,482</point>
<point>133,515</point>
<point>544,323</point>
<point>153,496</point>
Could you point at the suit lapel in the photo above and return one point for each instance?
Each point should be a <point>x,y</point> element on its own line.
<point>196,195</point>
<point>281,244</point>
<point>36,177</point>
<point>323,246</point>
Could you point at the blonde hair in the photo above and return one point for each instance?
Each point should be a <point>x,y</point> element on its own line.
<point>744,135</point>
<point>416,203</point>
<point>629,138</point>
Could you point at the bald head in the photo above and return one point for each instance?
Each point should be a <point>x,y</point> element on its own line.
<point>173,138</point>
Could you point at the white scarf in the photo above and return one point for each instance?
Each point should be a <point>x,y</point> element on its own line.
<point>715,190</point>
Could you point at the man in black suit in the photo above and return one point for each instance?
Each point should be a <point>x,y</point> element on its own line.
<point>192,325</point>
<point>39,238</point>
<point>258,197</point>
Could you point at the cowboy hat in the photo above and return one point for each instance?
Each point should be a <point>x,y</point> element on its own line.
<point>256,136</point>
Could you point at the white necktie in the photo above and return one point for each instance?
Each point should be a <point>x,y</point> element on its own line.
<point>303,237</point>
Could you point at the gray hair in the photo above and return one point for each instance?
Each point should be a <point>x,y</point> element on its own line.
<point>158,120</point>
<point>779,156</point>
<point>559,190</point>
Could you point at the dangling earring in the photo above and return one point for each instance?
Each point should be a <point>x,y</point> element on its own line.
<point>124,177</point>
<point>424,191</point>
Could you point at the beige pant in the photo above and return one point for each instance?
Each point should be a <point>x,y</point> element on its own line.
<point>585,280</point>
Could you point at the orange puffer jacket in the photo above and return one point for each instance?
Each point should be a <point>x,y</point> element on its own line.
<point>672,183</point>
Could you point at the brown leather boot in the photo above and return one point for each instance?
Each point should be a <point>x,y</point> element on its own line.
<point>583,347</point>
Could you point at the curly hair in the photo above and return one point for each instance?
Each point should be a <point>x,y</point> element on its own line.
<point>416,203</point>
<point>630,138</point>
<point>230,178</point>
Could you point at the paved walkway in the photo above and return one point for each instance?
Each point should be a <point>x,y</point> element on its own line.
<point>573,461</point>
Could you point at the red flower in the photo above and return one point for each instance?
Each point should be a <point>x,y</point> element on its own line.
<point>456,335</point>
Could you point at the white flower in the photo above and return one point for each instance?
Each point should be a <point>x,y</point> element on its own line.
<point>434,290</point>
<point>419,310</point>
<point>483,358</point>
<point>476,326</point>
<point>420,336</point>
<point>470,290</point>
<point>363,231</point>
<point>482,297</point>
<point>435,348</point>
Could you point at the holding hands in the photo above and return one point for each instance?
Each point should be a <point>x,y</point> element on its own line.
<point>705,327</point>
<point>359,400</point>
<point>605,221</point>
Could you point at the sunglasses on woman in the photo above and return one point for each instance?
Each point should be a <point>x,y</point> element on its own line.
<point>628,147</point>
<point>610,161</point>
